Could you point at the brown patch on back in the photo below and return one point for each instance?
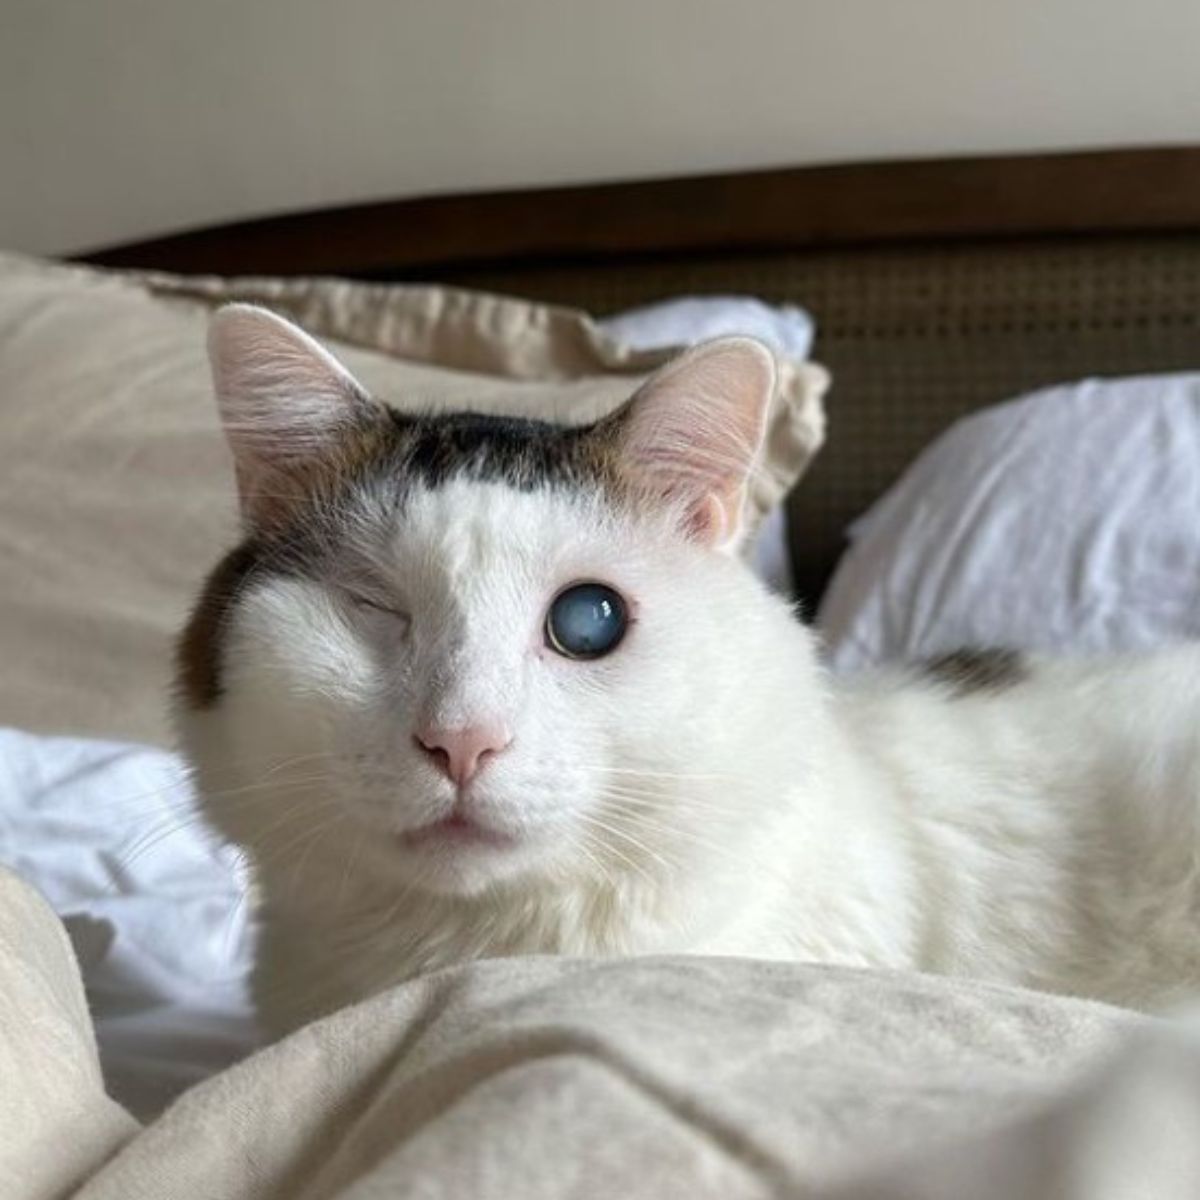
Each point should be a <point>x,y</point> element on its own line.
<point>967,671</point>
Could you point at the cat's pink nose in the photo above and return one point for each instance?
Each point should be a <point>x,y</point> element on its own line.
<point>460,754</point>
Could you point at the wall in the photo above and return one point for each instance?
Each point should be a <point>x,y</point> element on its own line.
<point>125,118</point>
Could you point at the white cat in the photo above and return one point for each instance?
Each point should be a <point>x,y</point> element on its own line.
<point>476,687</point>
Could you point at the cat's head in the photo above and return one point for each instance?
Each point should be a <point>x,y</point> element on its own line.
<point>481,649</point>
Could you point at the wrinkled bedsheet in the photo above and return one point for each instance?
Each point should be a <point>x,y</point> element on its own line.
<point>655,1078</point>
<point>110,834</point>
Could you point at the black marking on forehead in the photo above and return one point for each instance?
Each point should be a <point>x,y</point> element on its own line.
<point>967,670</point>
<point>516,451</point>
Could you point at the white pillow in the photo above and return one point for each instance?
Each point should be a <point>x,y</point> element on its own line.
<point>690,319</point>
<point>1067,520</point>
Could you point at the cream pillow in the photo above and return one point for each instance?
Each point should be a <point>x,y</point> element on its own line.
<point>116,492</point>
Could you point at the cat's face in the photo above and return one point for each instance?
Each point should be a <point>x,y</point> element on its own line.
<point>473,633</point>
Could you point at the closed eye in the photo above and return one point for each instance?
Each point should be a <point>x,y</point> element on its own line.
<point>372,604</point>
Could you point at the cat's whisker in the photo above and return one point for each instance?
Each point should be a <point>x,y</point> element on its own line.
<point>639,846</point>
<point>163,829</point>
<point>351,862</point>
<point>318,832</point>
<point>262,791</point>
<point>281,850</point>
<point>656,802</point>
<point>232,922</point>
<point>649,817</point>
<point>644,773</point>
<point>597,863</point>
<point>603,848</point>
<point>184,783</point>
<point>680,832</point>
<point>259,793</point>
<point>289,818</point>
<point>152,838</point>
<point>362,931</point>
<point>584,848</point>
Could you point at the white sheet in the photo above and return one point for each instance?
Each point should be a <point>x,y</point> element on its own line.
<point>109,834</point>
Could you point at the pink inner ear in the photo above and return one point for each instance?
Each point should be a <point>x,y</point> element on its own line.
<point>694,431</point>
<point>707,520</point>
<point>285,402</point>
<point>710,490</point>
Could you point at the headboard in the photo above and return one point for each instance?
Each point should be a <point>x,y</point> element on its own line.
<point>938,286</point>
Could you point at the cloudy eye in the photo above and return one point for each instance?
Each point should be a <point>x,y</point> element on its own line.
<point>586,620</point>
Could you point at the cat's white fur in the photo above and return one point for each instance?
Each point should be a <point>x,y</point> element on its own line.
<point>708,788</point>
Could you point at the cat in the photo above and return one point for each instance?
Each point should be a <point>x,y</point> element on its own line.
<point>474,686</point>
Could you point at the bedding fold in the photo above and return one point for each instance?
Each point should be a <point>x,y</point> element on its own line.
<point>56,1123</point>
<point>546,1077</point>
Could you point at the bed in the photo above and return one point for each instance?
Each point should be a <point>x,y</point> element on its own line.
<point>938,289</point>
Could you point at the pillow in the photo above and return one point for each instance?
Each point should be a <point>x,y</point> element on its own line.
<point>1068,520</point>
<point>116,492</point>
<point>690,319</point>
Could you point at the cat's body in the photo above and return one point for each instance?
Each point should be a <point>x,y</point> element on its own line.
<point>702,786</point>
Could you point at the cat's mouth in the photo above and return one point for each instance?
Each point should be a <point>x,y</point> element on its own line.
<point>456,830</point>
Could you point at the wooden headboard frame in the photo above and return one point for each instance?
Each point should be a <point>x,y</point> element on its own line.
<point>1105,193</point>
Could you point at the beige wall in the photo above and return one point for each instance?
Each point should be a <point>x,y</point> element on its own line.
<point>123,118</point>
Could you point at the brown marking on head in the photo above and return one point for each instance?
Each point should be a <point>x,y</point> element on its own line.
<point>199,652</point>
<point>968,671</point>
<point>275,544</point>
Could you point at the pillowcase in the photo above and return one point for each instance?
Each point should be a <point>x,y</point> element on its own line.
<point>1068,520</point>
<point>688,319</point>
<point>116,489</point>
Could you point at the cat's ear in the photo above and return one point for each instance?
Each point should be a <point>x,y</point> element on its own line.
<point>694,431</point>
<point>286,404</point>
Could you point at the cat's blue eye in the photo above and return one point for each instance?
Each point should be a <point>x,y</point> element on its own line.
<point>586,620</point>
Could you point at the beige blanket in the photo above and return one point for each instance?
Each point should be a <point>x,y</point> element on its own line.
<point>648,1078</point>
